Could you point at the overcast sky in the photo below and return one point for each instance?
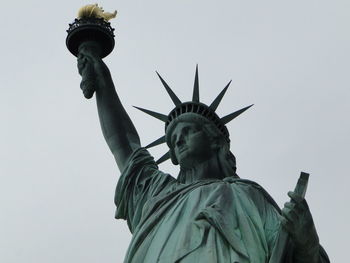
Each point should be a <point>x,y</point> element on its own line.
<point>57,176</point>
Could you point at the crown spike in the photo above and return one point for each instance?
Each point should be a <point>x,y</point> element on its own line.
<point>233,115</point>
<point>172,95</point>
<point>163,158</point>
<point>195,97</point>
<point>156,142</point>
<point>157,115</point>
<point>214,105</point>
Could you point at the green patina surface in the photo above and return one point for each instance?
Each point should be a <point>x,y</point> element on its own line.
<point>208,214</point>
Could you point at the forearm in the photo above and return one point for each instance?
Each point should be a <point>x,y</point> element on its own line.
<point>310,255</point>
<point>118,130</point>
<point>310,251</point>
<point>319,256</point>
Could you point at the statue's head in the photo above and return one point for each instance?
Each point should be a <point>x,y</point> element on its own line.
<point>193,139</point>
<point>193,131</point>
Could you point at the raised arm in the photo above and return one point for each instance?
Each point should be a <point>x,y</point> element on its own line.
<point>118,130</point>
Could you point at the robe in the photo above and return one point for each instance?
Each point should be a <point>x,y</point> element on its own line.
<point>207,221</point>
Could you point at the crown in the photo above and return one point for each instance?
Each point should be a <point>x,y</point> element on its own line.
<point>196,107</point>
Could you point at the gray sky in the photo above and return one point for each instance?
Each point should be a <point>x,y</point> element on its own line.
<point>57,176</point>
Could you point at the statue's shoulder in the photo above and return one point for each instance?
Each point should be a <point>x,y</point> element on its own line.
<point>253,187</point>
<point>244,182</point>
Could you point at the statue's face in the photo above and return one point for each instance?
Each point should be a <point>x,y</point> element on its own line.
<point>191,145</point>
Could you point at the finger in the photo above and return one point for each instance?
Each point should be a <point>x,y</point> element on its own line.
<point>301,207</point>
<point>289,214</point>
<point>298,208</point>
<point>81,51</point>
<point>81,62</point>
<point>289,205</point>
<point>81,65</point>
<point>287,225</point>
<point>87,86</point>
<point>89,49</point>
<point>84,51</point>
<point>85,56</point>
<point>290,211</point>
<point>85,62</point>
<point>88,93</point>
<point>295,197</point>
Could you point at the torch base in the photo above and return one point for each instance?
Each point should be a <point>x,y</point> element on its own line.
<point>90,29</point>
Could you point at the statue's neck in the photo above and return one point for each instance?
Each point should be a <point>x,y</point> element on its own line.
<point>210,169</point>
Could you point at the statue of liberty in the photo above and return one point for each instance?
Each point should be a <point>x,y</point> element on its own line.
<point>208,213</point>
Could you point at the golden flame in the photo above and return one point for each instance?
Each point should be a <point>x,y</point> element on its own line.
<point>95,11</point>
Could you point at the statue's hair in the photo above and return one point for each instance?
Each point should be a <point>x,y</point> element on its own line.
<point>224,146</point>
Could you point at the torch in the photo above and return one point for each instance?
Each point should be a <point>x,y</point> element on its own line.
<point>91,27</point>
